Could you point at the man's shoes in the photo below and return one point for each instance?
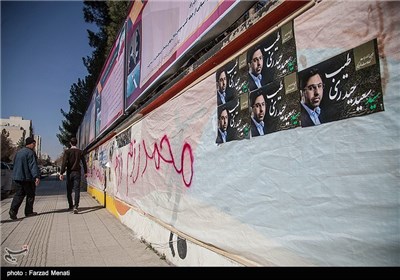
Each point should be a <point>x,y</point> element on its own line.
<point>70,208</point>
<point>13,215</point>
<point>76,210</point>
<point>31,214</point>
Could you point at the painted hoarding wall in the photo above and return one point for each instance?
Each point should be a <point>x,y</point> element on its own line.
<point>319,195</point>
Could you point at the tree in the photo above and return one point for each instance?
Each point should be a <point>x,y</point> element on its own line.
<point>21,143</point>
<point>118,11</point>
<point>7,149</point>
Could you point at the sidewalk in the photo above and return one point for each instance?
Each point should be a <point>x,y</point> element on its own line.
<point>58,238</point>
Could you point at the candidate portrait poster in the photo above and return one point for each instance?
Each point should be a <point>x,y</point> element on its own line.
<point>350,84</point>
<point>282,104</point>
<point>232,111</point>
<point>270,59</point>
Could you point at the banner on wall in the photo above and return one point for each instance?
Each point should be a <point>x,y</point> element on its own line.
<point>83,132</point>
<point>181,24</point>
<point>97,109</point>
<point>110,88</point>
<point>92,119</point>
<point>345,86</point>
<point>133,88</point>
<point>133,53</point>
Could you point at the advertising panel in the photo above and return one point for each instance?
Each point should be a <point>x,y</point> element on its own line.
<point>133,53</point>
<point>170,28</point>
<point>111,86</point>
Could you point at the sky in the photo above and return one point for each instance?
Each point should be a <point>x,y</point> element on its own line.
<point>42,46</point>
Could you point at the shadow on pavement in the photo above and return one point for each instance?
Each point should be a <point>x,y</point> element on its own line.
<point>82,210</point>
<point>11,221</point>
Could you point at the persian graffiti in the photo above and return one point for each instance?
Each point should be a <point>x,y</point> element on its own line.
<point>140,155</point>
<point>96,172</point>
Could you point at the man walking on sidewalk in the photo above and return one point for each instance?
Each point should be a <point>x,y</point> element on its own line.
<point>26,176</point>
<point>71,162</point>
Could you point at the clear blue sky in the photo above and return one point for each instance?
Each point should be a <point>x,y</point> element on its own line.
<point>42,45</point>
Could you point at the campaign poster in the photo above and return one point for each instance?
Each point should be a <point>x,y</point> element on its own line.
<point>232,102</point>
<point>275,107</point>
<point>347,85</point>
<point>270,59</point>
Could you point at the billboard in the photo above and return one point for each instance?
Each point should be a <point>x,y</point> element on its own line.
<point>133,53</point>
<point>110,88</point>
<point>168,29</point>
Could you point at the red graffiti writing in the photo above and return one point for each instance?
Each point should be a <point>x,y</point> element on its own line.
<point>140,155</point>
<point>96,173</point>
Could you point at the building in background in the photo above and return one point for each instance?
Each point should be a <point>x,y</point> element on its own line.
<point>19,129</point>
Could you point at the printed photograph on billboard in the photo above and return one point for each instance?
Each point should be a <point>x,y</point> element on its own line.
<point>133,53</point>
<point>133,64</point>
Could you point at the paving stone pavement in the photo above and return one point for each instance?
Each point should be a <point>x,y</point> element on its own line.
<point>58,238</point>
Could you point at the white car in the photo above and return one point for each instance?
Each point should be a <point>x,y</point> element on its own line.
<point>6,180</point>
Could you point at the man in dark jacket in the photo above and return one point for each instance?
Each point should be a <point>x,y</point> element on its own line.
<point>224,93</point>
<point>258,107</point>
<point>26,176</point>
<point>312,87</point>
<point>255,61</point>
<point>223,119</point>
<point>72,159</point>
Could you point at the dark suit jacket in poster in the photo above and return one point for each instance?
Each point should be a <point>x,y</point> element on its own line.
<point>252,84</point>
<point>306,119</point>
<point>254,130</point>
<point>228,97</point>
<point>219,138</point>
